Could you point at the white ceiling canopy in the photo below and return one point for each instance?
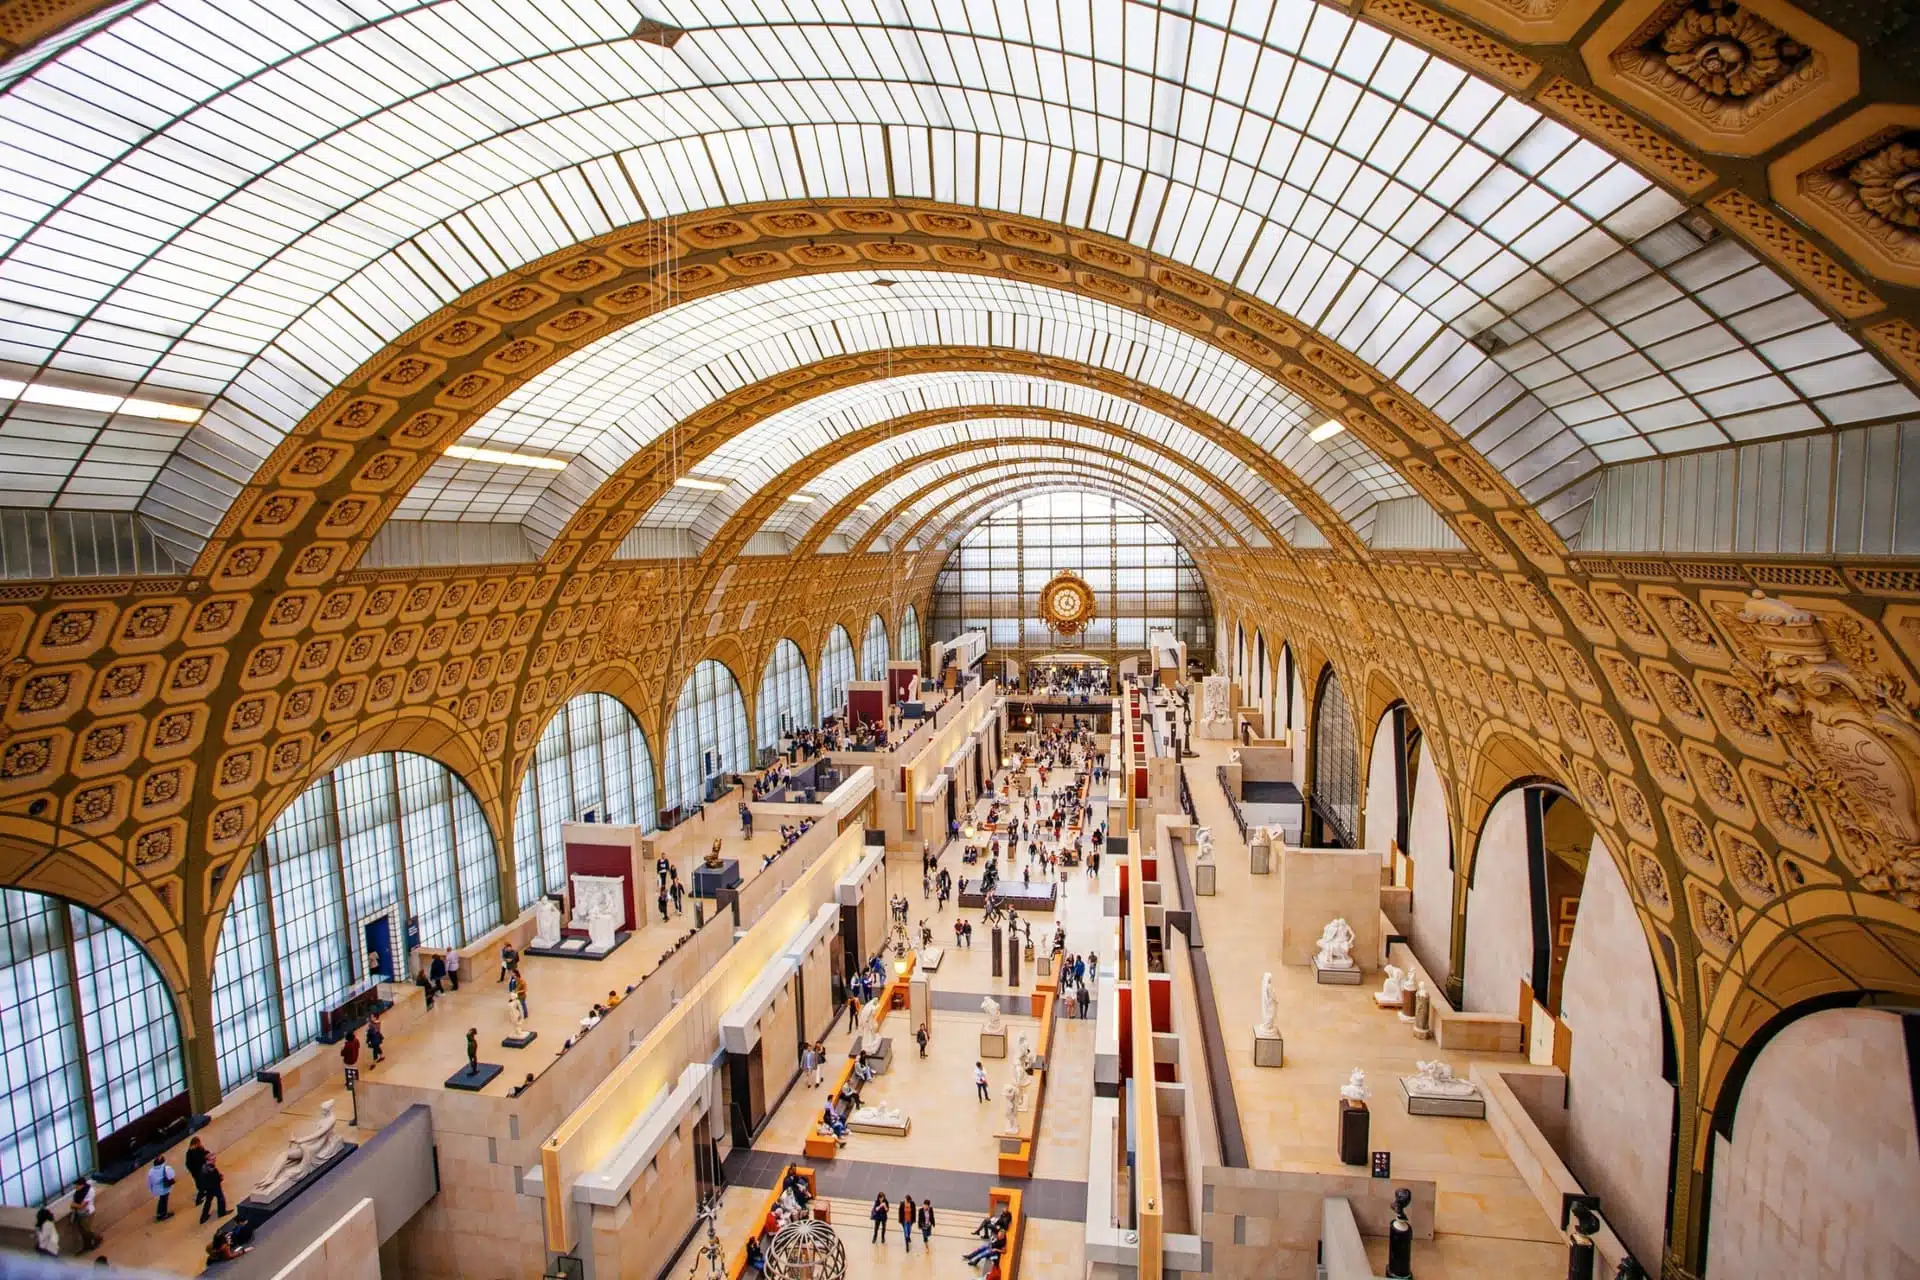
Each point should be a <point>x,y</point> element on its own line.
<point>234,205</point>
<point>951,508</point>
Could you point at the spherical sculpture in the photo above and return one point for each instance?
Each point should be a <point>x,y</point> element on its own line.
<point>805,1249</point>
<point>1067,604</point>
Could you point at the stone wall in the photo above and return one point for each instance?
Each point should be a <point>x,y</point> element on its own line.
<point>1499,916</point>
<point>1619,1109</point>
<point>1430,845</point>
<point>1822,1171</point>
<point>1380,812</point>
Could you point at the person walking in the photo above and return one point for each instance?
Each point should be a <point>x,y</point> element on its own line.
<point>160,1181</point>
<point>980,1082</point>
<point>746,821</point>
<point>853,1012</point>
<point>509,961</point>
<point>661,902</point>
<point>350,1050</point>
<point>1082,999</point>
<point>819,1063</point>
<point>879,1214</point>
<point>926,1224</point>
<point>909,1214</point>
<point>437,974</point>
<point>211,1185</point>
<point>808,1062</point>
<point>194,1161</point>
<point>678,892</point>
<point>920,1038</point>
<point>375,1039</point>
<point>453,970</point>
<point>80,1212</point>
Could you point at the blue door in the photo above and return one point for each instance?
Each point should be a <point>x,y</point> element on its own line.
<point>380,947</point>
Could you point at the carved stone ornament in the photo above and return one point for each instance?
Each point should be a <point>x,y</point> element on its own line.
<point>1726,51</point>
<point>1848,727</point>
<point>1859,182</point>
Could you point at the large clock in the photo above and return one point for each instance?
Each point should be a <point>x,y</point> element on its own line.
<point>1066,604</point>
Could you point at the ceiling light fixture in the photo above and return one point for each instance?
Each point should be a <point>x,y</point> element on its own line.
<point>802,497</point>
<point>1326,430</point>
<point>704,485</point>
<point>502,457</point>
<point>100,402</point>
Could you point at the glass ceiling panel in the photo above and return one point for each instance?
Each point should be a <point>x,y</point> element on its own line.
<point>968,502</point>
<point>933,486</point>
<point>615,396</point>
<point>236,205</point>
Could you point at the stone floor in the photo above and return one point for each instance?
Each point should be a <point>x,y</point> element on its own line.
<point>1487,1222</point>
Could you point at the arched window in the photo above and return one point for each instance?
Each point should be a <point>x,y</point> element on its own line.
<point>592,757</point>
<point>836,668</point>
<point>910,636</point>
<point>1336,767</point>
<point>381,840</point>
<point>89,1043</point>
<point>708,734</point>
<point>874,653</point>
<point>785,702</point>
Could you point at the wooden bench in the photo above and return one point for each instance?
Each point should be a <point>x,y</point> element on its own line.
<point>824,1146</point>
<point>1011,1198</point>
<point>739,1265</point>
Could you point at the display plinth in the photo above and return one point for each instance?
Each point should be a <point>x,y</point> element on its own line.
<point>1336,977</point>
<point>1355,1126</point>
<point>254,1212</point>
<point>1471,1107</point>
<point>1043,966</point>
<point>473,1079</point>
<point>1261,858</point>
<point>520,1041</point>
<point>1203,880</point>
<point>900,1130</point>
<point>993,1044</point>
<point>1268,1051</point>
<point>708,881</point>
<point>929,959</point>
<point>578,948</point>
<point>880,1058</point>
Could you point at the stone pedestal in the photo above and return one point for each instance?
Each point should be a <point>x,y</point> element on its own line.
<point>1336,977</point>
<point>995,949</point>
<point>1472,1106</point>
<point>1043,966</point>
<point>1268,1051</point>
<point>1355,1128</point>
<point>519,1041</point>
<point>1262,860</point>
<point>880,1057</point>
<point>993,1044</point>
<point>1203,880</point>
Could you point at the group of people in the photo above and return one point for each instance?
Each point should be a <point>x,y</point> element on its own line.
<point>792,1203</point>
<point>909,1215</point>
<point>209,1196</point>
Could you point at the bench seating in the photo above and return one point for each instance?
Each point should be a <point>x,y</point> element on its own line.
<point>820,1143</point>
<point>1011,1198</point>
<point>738,1266</point>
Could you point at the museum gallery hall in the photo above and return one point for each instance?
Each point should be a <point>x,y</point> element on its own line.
<point>1054,639</point>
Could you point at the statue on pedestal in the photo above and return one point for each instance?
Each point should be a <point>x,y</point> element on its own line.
<point>713,858</point>
<point>1011,1096</point>
<point>1336,946</point>
<point>881,1114</point>
<point>1436,1080</point>
<point>991,1007</point>
<point>1026,1054</point>
<point>516,1014</point>
<point>1269,1024</point>
<point>1423,1013</point>
<point>546,930</point>
<point>598,907</point>
<point>870,1027</point>
<point>1355,1089</point>
<point>306,1151</point>
<point>1203,846</point>
<point>473,1051</point>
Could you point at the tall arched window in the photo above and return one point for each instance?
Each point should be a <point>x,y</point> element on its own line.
<point>785,702</point>
<point>708,734</point>
<point>592,757</point>
<point>382,839</point>
<point>910,636</point>
<point>836,668</point>
<point>89,1042</point>
<point>1336,767</point>
<point>874,653</point>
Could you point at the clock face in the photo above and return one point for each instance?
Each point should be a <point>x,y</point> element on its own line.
<point>1066,604</point>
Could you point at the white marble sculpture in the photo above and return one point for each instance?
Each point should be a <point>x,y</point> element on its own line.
<point>1269,1026</point>
<point>882,1114</point>
<point>991,1007</point>
<point>1233,756</point>
<point>1203,844</point>
<point>870,1027</point>
<point>597,896</point>
<point>1011,1096</point>
<point>1026,1054</point>
<point>1388,996</point>
<point>1214,691</point>
<point>1355,1089</point>
<point>518,1018</point>
<point>1436,1080</point>
<point>1336,946</point>
<point>546,931</point>
<point>307,1150</point>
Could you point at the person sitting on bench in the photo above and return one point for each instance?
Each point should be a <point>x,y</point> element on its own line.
<point>994,1222</point>
<point>830,1119</point>
<point>988,1251</point>
<point>798,1186</point>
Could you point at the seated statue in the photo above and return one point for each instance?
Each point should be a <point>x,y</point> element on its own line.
<point>1436,1079</point>
<point>1336,946</point>
<point>1388,996</point>
<point>307,1150</point>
